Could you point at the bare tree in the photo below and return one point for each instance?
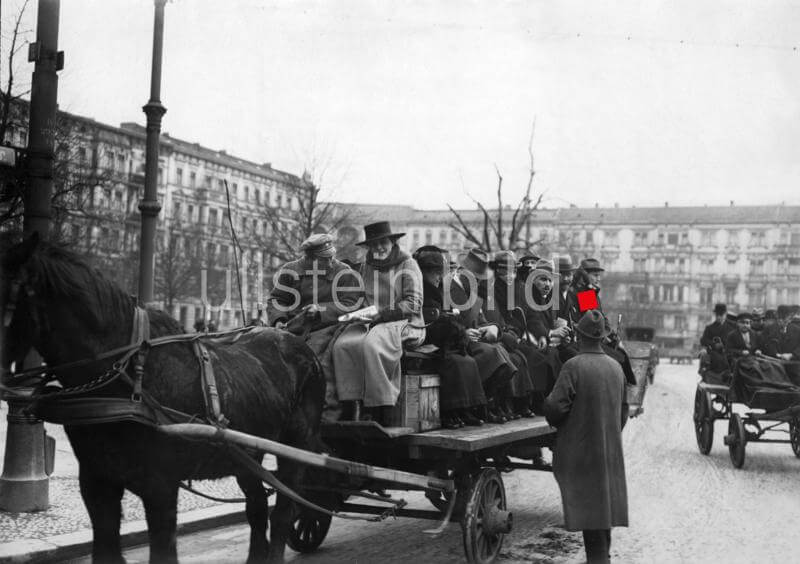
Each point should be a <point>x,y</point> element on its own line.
<point>497,231</point>
<point>289,225</point>
<point>179,263</point>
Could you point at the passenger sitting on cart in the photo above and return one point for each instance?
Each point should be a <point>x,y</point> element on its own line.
<point>713,341</point>
<point>366,356</point>
<point>742,341</point>
<point>783,339</point>
<point>461,395</point>
<point>303,297</point>
<point>495,363</point>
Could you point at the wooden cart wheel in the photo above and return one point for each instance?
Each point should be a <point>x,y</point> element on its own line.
<point>486,520</point>
<point>308,531</point>
<point>703,421</point>
<point>794,435</point>
<point>736,440</point>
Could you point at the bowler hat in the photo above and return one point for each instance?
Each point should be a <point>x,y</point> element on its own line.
<point>593,325</point>
<point>528,256</point>
<point>784,311</point>
<point>476,260</point>
<point>565,263</point>
<point>427,248</point>
<point>319,245</point>
<point>770,314</point>
<point>591,265</point>
<point>377,231</point>
<point>720,309</point>
<point>504,260</point>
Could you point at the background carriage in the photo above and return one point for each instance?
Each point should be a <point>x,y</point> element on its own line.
<point>766,395</point>
<point>643,355</point>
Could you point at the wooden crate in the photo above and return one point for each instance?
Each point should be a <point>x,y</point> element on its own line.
<point>418,404</point>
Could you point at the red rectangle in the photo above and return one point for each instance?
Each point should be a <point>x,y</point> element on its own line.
<point>587,300</point>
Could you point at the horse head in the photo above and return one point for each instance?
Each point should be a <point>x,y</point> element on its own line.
<point>53,301</point>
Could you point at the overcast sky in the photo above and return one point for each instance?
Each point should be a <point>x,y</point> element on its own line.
<point>635,102</point>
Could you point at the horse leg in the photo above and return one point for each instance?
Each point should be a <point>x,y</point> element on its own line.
<point>103,501</point>
<point>283,513</point>
<point>257,510</point>
<point>161,512</point>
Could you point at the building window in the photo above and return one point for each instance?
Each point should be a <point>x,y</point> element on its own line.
<point>610,238</point>
<point>640,238</point>
<point>730,294</point>
<point>706,295</point>
<point>176,210</point>
<point>192,179</point>
<point>121,162</point>
<point>733,238</point>
<point>258,195</point>
<point>235,190</point>
<point>221,184</point>
<point>680,322</point>
<point>758,239</point>
<point>428,237</point>
<point>639,265</point>
<point>757,267</point>
<point>672,239</point>
<point>179,176</point>
<point>443,237</point>
<point>589,236</point>
<point>190,213</point>
<point>669,265</point>
<point>212,217</point>
<point>795,241</point>
<point>415,238</point>
<point>708,238</point>
<point>246,193</point>
<point>732,266</point>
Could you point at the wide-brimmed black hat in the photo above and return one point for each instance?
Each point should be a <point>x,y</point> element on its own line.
<point>593,325</point>
<point>378,230</point>
<point>565,263</point>
<point>720,309</point>
<point>431,261</point>
<point>784,311</point>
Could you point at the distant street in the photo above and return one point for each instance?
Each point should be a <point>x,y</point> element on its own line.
<point>684,507</point>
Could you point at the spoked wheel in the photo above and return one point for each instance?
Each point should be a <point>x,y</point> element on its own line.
<point>736,440</point>
<point>703,421</point>
<point>794,435</point>
<point>486,519</point>
<point>308,531</point>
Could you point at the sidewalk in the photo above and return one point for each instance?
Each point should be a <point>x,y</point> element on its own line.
<point>64,530</point>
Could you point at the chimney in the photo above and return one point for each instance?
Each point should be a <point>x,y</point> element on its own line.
<point>616,204</point>
<point>596,205</point>
<point>666,204</point>
<point>731,203</point>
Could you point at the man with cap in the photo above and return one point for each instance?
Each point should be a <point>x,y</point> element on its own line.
<point>526,265</point>
<point>588,407</point>
<point>366,356</point>
<point>714,338</point>
<point>586,279</point>
<point>496,365</point>
<point>742,341</point>
<point>306,292</point>
<point>461,392</point>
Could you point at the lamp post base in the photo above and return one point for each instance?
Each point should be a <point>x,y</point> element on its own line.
<point>24,485</point>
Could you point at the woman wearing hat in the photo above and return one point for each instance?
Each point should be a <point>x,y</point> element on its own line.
<point>366,357</point>
<point>461,393</point>
<point>588,407</point>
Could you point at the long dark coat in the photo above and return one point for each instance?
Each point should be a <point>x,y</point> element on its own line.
<point>490,357</point>
<point>588,407</point>
<point>460,377</point>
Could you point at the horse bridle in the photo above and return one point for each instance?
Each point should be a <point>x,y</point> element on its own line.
<point>10,308</point>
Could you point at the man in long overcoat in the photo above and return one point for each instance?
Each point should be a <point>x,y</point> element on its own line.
<point>589,409</point>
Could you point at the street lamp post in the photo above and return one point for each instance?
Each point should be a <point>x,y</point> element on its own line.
<point>24,485</point>
<point>149,205</point>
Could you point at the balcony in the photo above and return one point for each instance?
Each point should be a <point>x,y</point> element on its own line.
<point>730,278</point>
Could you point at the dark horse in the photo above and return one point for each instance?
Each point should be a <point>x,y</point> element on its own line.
<point>269,385</point>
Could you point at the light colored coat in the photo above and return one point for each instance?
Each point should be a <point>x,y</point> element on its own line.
<point>367,360</point>
<point>587,406</point>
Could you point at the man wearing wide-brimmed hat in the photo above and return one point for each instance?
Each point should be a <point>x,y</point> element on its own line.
<point>588,407</point>
<point>303,296</point>
<point>367,355</point>
<point>585,279</point>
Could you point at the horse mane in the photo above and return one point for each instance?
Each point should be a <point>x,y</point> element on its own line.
<point>62,273</point>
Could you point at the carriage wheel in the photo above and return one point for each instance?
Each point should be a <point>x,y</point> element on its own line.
<point>736,440</point>
<point>703,421</point>
<point>794,435</point>
<point>308,531</point>
<point>486,520</point>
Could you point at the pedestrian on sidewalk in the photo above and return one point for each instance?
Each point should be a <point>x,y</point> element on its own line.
<point>589,409</point>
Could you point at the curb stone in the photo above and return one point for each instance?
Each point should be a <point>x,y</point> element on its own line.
<point>74,545</point>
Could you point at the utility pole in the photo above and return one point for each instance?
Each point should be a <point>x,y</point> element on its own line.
<point>24,485</point>
<point>149,205</point>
